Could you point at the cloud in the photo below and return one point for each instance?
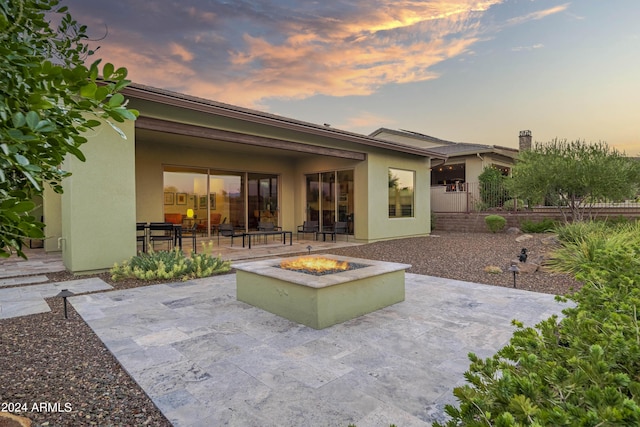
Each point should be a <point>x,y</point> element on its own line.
<point>539,14</point>
<point>247,52</point>
<point>364,121</point>
<point>527,48</point>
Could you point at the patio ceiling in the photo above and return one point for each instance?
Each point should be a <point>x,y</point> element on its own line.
<point>164,131</point>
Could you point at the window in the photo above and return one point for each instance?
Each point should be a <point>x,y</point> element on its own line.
<point>401,190</point>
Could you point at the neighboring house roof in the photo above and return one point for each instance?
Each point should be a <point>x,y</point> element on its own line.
<point>441,146</point>
<point>181,100</point>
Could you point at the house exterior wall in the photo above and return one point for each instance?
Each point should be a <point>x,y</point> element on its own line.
<point>122,181</point>
<point>98,203</point>
<point>52,213</point>
<point>378,225</point>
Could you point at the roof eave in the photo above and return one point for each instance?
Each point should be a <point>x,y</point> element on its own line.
<point>226,110</point>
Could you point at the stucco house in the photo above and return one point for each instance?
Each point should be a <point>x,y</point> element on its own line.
<point>214,161</point>
<point>454,179</point>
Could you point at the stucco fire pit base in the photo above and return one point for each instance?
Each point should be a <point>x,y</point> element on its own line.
<point>320,301</point>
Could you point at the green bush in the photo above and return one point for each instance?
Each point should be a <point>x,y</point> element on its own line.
<point>542,226</point>
<point>169,265</point>
<point>495,222</point>
<point>509,205</point>
<point>581,370</point>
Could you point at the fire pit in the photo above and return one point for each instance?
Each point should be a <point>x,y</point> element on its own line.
<point>343,289</point>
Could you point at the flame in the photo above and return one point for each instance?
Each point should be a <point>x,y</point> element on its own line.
<point>314,264</point>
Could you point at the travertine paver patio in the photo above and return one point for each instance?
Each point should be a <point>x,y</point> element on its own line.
<point>26,300</point>
<point>206,359</point>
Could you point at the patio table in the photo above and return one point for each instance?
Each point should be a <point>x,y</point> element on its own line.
<point>252,234</point>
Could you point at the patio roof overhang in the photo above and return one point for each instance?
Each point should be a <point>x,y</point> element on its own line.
<point>188,102</point>
<point>183,129</point>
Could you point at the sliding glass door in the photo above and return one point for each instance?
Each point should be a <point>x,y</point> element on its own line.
<point>209,197</point>
<point>330,198</point>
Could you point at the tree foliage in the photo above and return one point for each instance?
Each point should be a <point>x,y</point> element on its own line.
<point>48,99</point>
<point>492,187</point>
<point>574,176</point>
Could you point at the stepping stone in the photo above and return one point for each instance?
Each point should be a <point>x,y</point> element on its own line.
<point>25,280</point>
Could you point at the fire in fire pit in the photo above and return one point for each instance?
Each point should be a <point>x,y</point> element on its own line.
<point>318,266</point>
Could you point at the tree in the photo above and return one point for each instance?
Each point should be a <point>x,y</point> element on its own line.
<point>574,176</point>
<point>48,99</point>
<point>492,187</point>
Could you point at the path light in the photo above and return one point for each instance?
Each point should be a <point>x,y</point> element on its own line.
<point>514,268</point>
<point>309,249</point>
<point>64,294</point>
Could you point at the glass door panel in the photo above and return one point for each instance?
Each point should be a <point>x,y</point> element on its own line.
<point>181,189</point>
<point>226,198</point>
<point>262,200</point>
<point>328,200</point>
<point>313,198</point>
<point>345,198</point>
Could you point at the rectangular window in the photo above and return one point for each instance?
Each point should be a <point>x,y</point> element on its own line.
<point>401,190</point>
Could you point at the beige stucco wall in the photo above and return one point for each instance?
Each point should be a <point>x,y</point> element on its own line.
<point>378,225</point>
<point>51,211</point>
<point>98,203</point>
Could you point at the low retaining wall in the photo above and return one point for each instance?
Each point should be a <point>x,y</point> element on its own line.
<point>474,222</point>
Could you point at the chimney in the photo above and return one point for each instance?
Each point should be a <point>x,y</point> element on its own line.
<point>525,140</point>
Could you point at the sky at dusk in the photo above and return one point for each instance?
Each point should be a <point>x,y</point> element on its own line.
<point>462,70</point>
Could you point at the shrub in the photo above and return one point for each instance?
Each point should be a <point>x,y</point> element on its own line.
<point>509,205</point>
<point>529,226</point>
<point>581,370</point>
<point>169,265</point>
<point>495,222</point>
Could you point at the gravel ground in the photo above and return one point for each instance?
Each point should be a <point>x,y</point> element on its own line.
<point>45,359</point>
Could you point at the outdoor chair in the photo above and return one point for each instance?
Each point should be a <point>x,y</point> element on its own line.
<point>307,227</point>
<point>341,227</point>
<point>267,226</point>
<point>190,233</point>
<point>141,235</point>
<point>161,232</point>
<point>227,230</point>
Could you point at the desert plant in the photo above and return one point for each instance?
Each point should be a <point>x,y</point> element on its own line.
<point>576,231</point>
<point>582,369</point>
<point>513,204</point>
<point>169,265</point>
<point>542,226</point>
<point>495,223</point>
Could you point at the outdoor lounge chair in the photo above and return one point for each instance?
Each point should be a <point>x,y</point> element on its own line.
<point>227,230</point>
<point>161,232</point>
<point>307,227</point>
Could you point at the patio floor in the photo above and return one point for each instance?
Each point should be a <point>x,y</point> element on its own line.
<point>206,359</point>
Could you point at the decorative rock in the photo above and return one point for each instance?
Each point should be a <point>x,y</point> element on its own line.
<point>550,240</point>
<point>9,420</point>
<point>524,237</point>
<point>493,269</point>
<point>526,267</point>
<point>513,230</point>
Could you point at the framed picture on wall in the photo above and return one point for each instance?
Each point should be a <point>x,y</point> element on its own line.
<point>193,201</point>
<point>203,202</point>
<point>181,198</point>
<point>212,200</point>
<point>169,198</point>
